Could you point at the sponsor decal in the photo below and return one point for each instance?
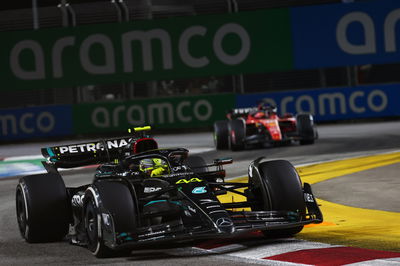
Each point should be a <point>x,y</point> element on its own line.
<point>308,197</point>
<point>224,222</point>
<point>187,181</point>
<point>147,50</point>
<point>239,111</point>
<point>151,189</point>
<point>339,35</point>
<point>333,103</point>
<point>179,168</point>
<point>92,147</point>
<point>33,122</point>
<point>43,121</point>
<point>199,190</point>
<point>77,200</point>
<point>176,112</point>
<point>162,113</point>
<point>127,39</point>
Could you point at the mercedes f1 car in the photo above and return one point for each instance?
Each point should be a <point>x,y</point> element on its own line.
<point>261,125</point>
<point>142,194</point>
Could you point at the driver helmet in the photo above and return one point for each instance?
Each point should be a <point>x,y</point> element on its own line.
<point>153,166</point>
<point>259,115</point>
<point>268,108</point>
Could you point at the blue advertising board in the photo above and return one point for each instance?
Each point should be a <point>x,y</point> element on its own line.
<point>333,103</point>
<point>33,122</point>
<point>346,34</point>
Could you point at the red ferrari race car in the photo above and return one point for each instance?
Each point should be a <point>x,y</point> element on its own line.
<point>261,125</point>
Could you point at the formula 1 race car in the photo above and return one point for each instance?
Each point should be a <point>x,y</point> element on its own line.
<point>145,195</point>
<point>261,125</point>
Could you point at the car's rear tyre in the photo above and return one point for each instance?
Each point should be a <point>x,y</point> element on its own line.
<point>221,135</point>
<point>117,199</point>
<point>43,210</point>
<point>237,134</point>
<point>197,164</point>
<point>306,129</point>
<point>280,189</point>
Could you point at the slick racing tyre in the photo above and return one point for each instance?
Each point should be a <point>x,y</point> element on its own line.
<point>306,129</point>
<point>117,200</point>
<point>221,135</point>
<point>237,134</point>
<point>280,189</point>
<point>43,210</point>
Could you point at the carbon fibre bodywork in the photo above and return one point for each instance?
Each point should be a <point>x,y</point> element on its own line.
<point>185,206</point>
<point>249,127</point>
<point>124,208</point>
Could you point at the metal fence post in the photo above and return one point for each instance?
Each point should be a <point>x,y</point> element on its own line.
<point>35,15</point>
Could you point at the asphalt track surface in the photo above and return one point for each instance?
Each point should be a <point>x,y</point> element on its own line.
<point>364,196</point>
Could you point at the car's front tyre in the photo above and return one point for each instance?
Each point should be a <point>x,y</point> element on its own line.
<point>278,188</point>
<point>119,203</point>
<point>93,225</point>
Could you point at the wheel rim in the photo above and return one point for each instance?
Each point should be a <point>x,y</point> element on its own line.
<point>91,226</point>
<point>21,213</point>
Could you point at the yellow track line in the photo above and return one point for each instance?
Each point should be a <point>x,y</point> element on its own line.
<point>355,227</point>
<point>352,226</point>
<point>344,225</point>
<point>319,172</point>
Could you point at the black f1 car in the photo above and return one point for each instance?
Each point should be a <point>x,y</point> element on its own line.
<point>260,125</point>
<point>145,195</point>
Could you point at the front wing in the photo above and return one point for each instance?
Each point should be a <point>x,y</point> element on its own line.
<point>243,222</point>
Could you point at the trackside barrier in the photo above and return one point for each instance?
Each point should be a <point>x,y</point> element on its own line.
<point>259,41</point>
<point>163,113</point>
<point>346,34</point>
<point>35,122</point>
<point>194,112</point>
<point>159,49</point>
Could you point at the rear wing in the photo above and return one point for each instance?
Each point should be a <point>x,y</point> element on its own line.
<point>240,112</point>
<point>87,153</point>
<point>97,152</point>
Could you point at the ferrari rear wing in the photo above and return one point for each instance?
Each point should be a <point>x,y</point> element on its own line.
<point>240,112</point>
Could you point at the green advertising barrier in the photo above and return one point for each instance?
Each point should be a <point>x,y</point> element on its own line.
<point>177,112</point>
<point>246,42</point>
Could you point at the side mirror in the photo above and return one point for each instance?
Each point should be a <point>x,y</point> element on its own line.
<point>222,161</point>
